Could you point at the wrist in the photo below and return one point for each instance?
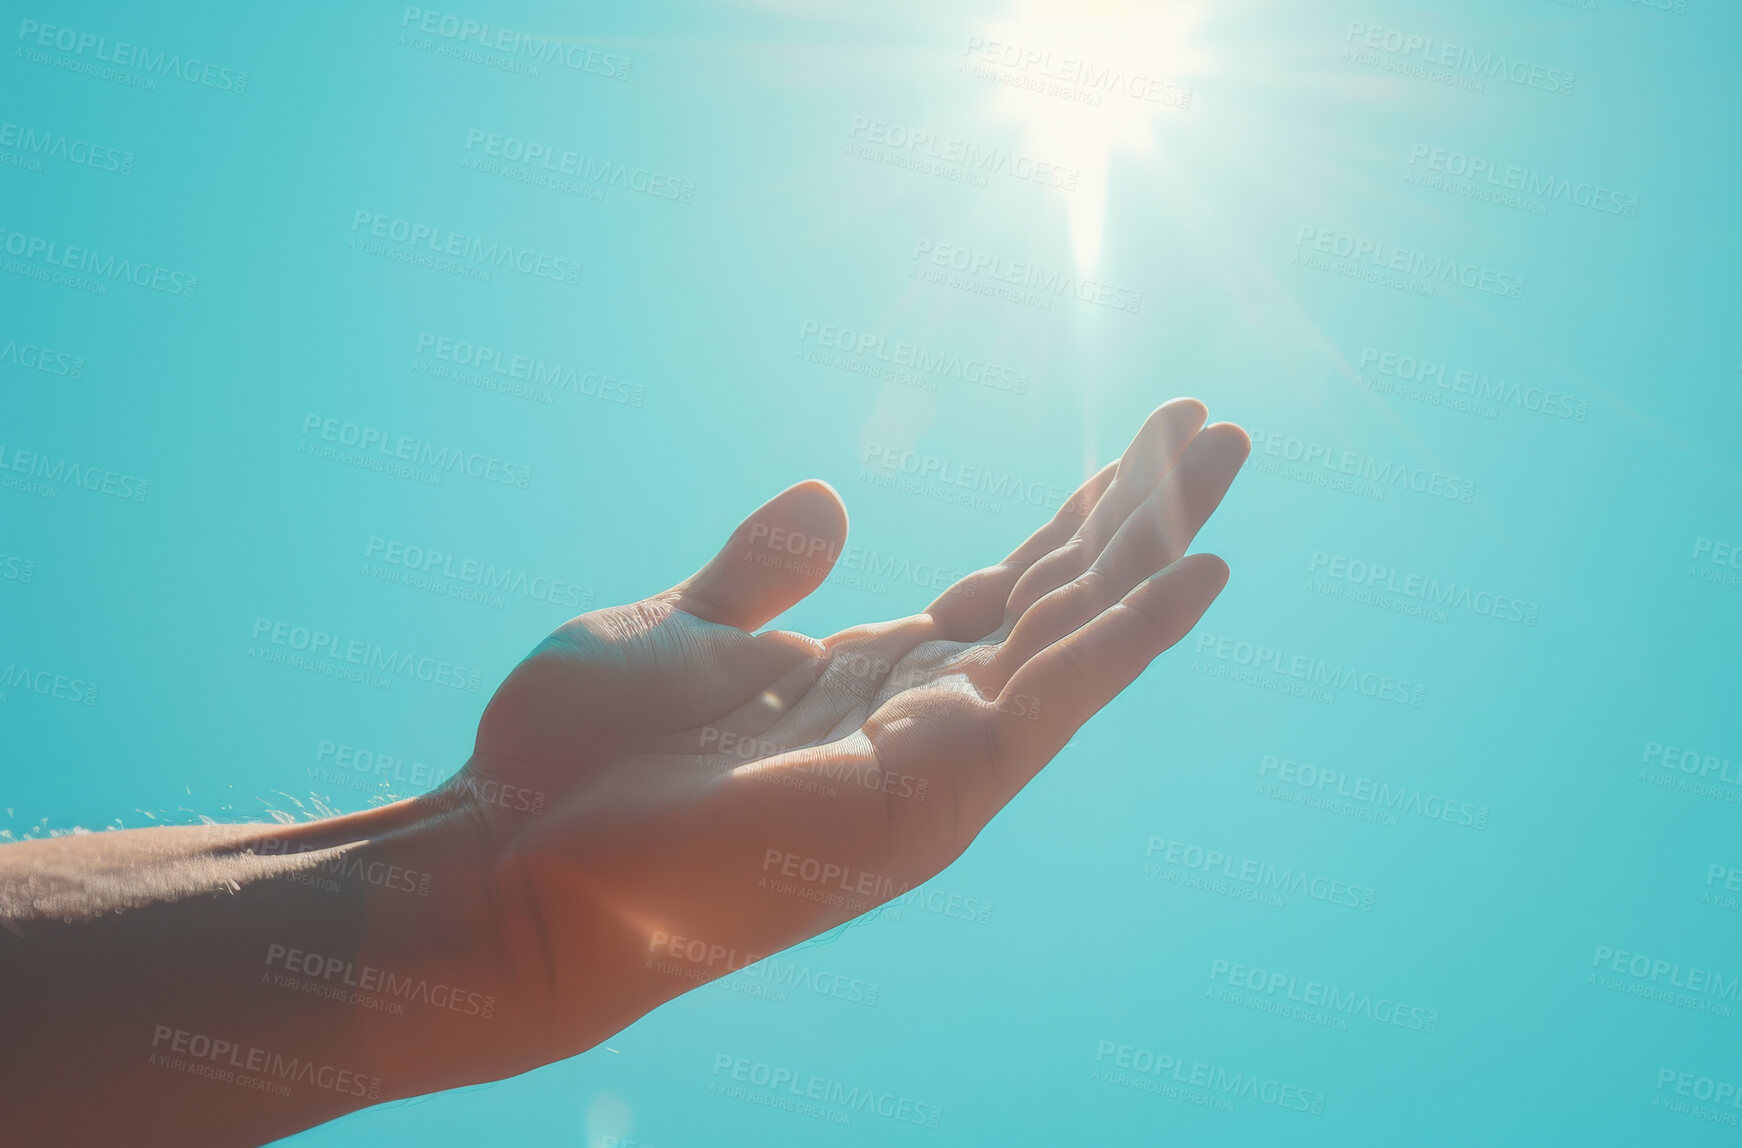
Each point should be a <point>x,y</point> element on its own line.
<point>422,983</point>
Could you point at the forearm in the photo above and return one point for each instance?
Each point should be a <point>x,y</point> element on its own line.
<point>232,984</point>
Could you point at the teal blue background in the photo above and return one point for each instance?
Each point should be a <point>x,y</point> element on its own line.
<point>701,306</point>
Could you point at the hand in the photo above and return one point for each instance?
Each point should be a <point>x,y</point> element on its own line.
<point>658,771</point>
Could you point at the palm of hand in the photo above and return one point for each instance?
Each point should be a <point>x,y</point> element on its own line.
<point>707,796</point>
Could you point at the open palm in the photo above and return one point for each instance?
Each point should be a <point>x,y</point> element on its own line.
<point>669,795</point>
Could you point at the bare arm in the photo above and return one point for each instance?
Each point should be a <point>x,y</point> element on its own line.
<point>651,773</point>
<point>233,984</point>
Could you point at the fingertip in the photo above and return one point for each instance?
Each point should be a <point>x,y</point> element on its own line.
<point>1186,412</point>
<point>1210,568</point>
<point>1166,434</point>
<point>1231,437</point>
<point>1195,575</point>
<point>775,557</point>
<point>816,496</point>
<point>821,485</point>
<point>812,508</point>
<point>1185,404</point>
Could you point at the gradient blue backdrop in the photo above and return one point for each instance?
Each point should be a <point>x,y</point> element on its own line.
<point>747,188</point>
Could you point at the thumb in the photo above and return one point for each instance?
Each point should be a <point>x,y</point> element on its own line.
<point>774,559</point>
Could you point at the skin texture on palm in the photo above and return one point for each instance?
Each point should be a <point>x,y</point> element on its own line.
<point>746,791</point>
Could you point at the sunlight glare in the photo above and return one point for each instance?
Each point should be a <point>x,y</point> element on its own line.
<point>1083,79</point>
